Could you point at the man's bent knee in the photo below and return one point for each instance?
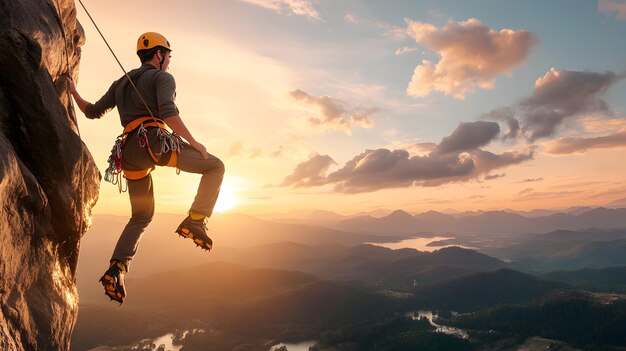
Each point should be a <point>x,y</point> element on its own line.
<point>142,219</point>
<point>221,167</point>
<point>217,167</point>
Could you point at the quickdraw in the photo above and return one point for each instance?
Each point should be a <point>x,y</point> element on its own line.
<point>169,142</point>
<point>113,174</point>
<point>143,136</point>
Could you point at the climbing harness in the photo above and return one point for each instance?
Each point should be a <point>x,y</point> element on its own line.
<point>170,141</point>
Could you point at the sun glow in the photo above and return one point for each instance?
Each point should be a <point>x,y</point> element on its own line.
<point>228,198</point>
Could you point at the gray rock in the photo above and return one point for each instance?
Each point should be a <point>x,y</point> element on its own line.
<point>48,179</point>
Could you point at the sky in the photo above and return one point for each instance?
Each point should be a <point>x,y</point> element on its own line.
<point>354,106</point>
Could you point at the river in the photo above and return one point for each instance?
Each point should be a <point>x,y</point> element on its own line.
<point>301,346</point>
<point>460,333</point>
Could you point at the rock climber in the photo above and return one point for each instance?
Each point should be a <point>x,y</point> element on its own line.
<point>145,102</point>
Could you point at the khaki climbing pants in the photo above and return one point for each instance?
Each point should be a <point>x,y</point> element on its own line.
<point>141,191</point>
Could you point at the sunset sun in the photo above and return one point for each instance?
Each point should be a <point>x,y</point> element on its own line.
<point>228,198</point>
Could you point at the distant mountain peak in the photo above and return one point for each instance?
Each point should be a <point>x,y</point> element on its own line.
<point>398,214</point>
<point>319,212</point>
<point>432,212</point>
<point>596,211</point>
<point>434,216</point>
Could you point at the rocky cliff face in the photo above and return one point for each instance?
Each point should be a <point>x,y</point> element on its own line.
<point>48,180</point>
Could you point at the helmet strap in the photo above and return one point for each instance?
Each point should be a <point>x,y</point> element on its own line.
<point>162,60</point>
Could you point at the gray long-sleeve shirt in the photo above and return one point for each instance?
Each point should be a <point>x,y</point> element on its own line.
<point>157,87</point>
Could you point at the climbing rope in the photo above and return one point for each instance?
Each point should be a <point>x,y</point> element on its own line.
<point>118,62</point>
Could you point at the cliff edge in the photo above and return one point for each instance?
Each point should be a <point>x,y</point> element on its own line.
<point>48,180</point>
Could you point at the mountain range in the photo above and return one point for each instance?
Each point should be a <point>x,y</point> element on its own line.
<point>339,254</point>
<point>564,250</point>
<point>484,289</point>
<point>268,282</point>
<point>237,307</point>
<point>491,223</point>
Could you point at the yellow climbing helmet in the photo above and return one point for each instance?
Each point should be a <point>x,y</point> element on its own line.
<point>151,40</point>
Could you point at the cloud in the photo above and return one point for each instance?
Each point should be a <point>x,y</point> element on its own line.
<point>601,125</point>
<point>525,192</point>
<point>556,97</point>
<point>507,115</point>
<point>296,7</point>
<point>532,180</point>
<point>564,94</point>
<point>396,33</point>
<point>471,56</point>
<point>378,169</point>
<point>469,136</point>
<point>573,145</point>
<point>235,149</point>
<point>456,159</point>
<point>421,148</point>
<point>255,152</point>
<point>334,114</point>
<point>487,161</point>
<point>351,17</point>
<point>278,152</point>
<point>310,173</point>
<point>494,176</point>
<point>404,50</point>
<point>531,194</point>
<point>613,6</point>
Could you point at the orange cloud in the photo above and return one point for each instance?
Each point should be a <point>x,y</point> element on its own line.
<point>237,149</point>
<point>296,7</point>
<point>310,173</point>
<point>333,112</point>
<point>472,56</point>
<point>613,6</point>
<point>598,124</point>
<point>574,145</point>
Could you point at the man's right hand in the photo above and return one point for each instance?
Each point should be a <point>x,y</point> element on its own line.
<point>71,85</point>
<point>178,126</point>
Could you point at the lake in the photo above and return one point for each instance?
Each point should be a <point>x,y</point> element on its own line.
<point>420,244</point>
<point>167,340</point>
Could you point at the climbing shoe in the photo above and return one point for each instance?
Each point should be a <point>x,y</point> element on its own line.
<point>113,281</point>
<point>196,231</point>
